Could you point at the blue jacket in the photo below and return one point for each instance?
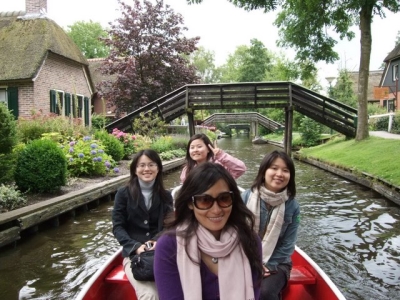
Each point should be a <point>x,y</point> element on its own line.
<point>288,236</point>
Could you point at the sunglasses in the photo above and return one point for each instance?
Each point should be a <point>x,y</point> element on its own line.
<point>205,201</point>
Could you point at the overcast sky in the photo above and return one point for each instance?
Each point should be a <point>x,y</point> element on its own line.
<point>222,27</point>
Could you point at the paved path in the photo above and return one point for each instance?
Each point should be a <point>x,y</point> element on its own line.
<point>384,134</point>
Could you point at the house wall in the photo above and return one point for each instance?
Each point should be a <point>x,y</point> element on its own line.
<point>57,73</point>
<point>389,82</point>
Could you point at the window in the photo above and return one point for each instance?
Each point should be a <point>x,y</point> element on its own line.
<point>3,96</point>
<point>77,106</point>
<point>57,102</point>
<point>396,72</point>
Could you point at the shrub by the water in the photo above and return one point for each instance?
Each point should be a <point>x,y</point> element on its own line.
<point>112,145</point>
<point>41,167</point>
<point>10,198</point>
<point>8,130</point>
<point>87,157</point>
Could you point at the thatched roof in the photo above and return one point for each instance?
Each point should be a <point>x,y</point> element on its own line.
<point>393,54</point>
<point>373,80</point>
<point>25,43</point>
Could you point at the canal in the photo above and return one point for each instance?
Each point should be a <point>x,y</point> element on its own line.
<point>352,233</point>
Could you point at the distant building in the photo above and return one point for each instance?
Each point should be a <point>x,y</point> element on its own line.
<point>41,68</point>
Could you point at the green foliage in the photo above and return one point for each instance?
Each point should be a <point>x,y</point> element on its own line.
<point>34,127</point>
<point>41,167</point>
<point>88,37</point>
<point>99,122</point>
<point>8,130</point>
<point>113,146</point>
<point>179,142</point>
<point>150,125</point>
<point>128,141</point>
<point>10,198</point>
<point>162,144</point>
<point>7,167</point>
<point>169,155</point>
<point>343,90</point>
<point>310,132</point>
<point>142,142</point>
<point>87,157</point>
<point>203,60</point>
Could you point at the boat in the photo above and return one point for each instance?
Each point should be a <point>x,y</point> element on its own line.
<point>259,140</point>
<point>307,281</point>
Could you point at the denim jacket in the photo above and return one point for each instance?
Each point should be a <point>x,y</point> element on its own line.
<point>288,236</point>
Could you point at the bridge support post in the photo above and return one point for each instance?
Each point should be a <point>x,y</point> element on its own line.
<point>288,130</point>
<point>191,123</point>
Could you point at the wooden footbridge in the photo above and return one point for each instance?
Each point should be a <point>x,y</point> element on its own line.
<point>249,96</point>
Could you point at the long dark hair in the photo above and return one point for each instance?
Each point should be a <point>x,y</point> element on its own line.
<point>267,162</point>
<point>190,163</point>
<point>202,178</point>
<point>133,184</point>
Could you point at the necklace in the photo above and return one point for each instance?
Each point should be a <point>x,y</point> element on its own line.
<point>214,260</point>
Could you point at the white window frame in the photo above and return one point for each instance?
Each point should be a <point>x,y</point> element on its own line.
<point>5,95</point>
<point>395,72</point>
<point>62,99</point>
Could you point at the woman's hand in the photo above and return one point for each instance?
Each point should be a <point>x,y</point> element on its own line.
<point>214,148</point>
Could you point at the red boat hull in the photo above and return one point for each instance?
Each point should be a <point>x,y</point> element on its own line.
<point>307,281</point>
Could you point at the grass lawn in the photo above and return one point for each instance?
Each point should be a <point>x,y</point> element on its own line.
<point>376,156</point>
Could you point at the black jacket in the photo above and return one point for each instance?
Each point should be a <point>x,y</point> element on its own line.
<point>133,226</point>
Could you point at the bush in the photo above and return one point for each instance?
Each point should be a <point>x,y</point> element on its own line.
<point>172,154</point>
<point>10,198</point>
<point>41,167</point>
<point>112,145</point>
<point>7,167</point>
<point>87,157</point>
<point>99,122</point>
<point>127,139</point>
<point>33,128</point>
<point>142,142</point>
<point>8,130</point>
<point>310,132</point>
<point>162,144</point>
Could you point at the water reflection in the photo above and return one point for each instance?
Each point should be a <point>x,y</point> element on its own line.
<point>351,232</point>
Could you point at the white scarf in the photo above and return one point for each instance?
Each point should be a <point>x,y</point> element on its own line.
<point>234,272</point>
<point>277,200</point>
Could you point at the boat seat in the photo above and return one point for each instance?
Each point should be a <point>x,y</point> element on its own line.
<point>117,275</point>
<point>301,275</point>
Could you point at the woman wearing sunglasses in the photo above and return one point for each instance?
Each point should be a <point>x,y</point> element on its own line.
<point>138,215</point>
<point>277,217</point>
<point>200,150</point>
<point>210,250</point>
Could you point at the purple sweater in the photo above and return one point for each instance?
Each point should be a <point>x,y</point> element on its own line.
<point>167,275</point>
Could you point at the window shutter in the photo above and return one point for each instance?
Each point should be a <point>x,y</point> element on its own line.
<point>74,108</point>
<point>86,110</point>
<point>67,104</point>
<point>53,102</point>
<point>12,96</point>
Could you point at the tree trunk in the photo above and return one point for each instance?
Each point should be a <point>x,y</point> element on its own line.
<point>366,41</point>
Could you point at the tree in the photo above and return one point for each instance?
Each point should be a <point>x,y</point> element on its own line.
<point>304,26</point>
<point>203,60</point>
<point>343,89</point>
<point>148,56</point>
<point>88,37</point>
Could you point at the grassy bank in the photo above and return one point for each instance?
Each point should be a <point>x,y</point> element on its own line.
<point>376,156</point>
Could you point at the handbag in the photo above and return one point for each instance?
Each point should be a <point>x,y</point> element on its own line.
<point>142,266</point>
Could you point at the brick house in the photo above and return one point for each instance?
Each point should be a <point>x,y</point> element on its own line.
<point>41,68</point>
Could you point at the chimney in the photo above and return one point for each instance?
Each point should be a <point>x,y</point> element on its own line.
<point>35,7</point>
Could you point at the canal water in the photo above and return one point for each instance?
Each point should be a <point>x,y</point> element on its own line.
<point>351,232</point>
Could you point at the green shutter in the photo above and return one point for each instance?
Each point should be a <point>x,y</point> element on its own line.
<point>73,99</point>
<point>67,104</point>
<point>86,110</point>
<point>53,102</point>
<point>12,96</point>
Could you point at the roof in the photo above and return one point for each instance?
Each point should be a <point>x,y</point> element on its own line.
<point>24,43</point>
<point>373,80</point>
<point>393,54</point>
